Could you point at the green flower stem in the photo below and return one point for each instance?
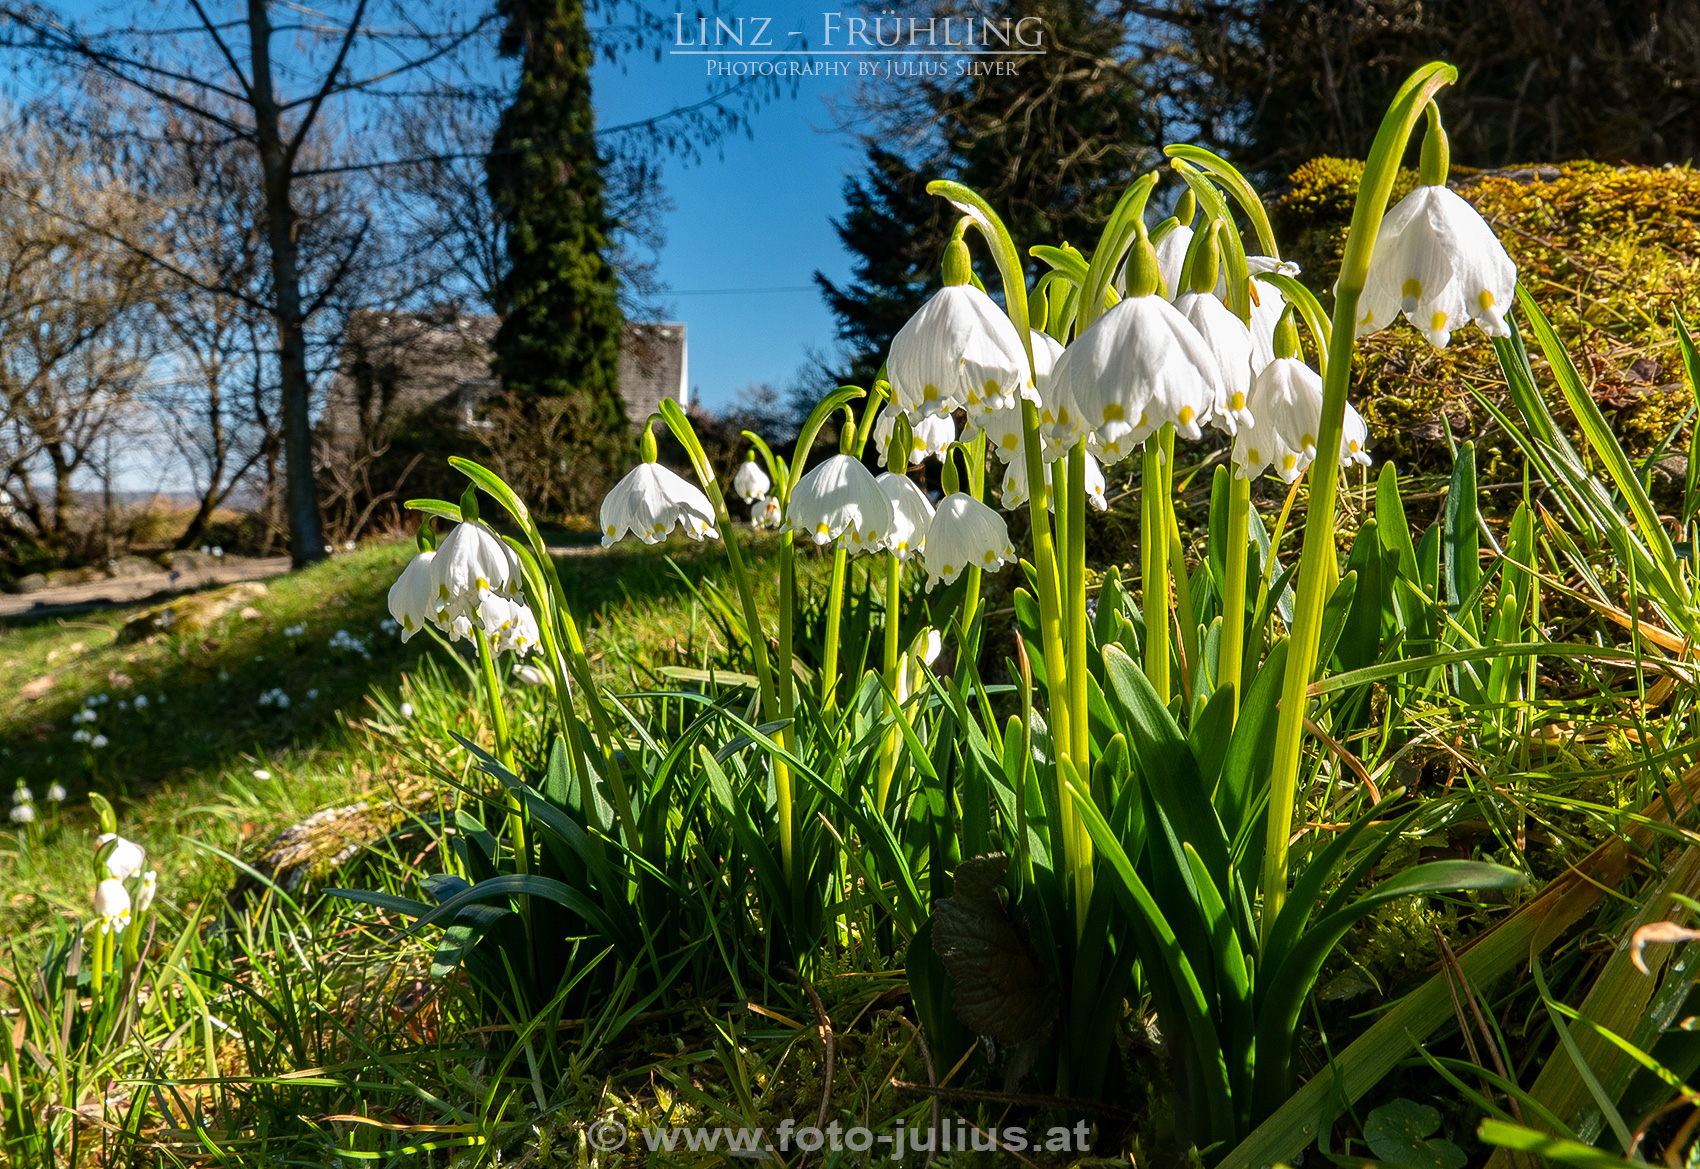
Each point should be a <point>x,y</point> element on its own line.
<point>1080,730</point>
<point>974,458</point>
<point>1154,545</point>
<point>893,657</point>
<point>97,967</point>
<point>504,749</point>
<point>1049,585</point>
<point>1230,655</point>
<point>1244,193</point>
<point>1318,561</point>
<point>834,607</point>
<point>783,782</point>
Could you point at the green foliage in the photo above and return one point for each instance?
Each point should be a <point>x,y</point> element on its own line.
<point>561,331</point>
<point>1610,252</point>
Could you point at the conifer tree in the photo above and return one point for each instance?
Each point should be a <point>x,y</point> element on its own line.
<point>558,349</point>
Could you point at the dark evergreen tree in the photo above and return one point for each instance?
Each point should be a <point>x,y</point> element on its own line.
<point>896,232</point>
<point>558,349</point>
<point>1052,145</point>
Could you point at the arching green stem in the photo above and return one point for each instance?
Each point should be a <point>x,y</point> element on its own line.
<point>1317,562</point>
<point>1230,654</point>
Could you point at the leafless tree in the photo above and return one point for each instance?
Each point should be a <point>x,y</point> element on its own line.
<point>74,350</point>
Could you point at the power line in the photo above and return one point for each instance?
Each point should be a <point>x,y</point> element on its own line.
<point>737,291</point>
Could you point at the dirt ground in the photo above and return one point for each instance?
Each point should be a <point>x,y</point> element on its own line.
<point>130,589</point>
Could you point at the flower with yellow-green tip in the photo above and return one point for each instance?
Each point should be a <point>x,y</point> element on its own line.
<point>411,596</point>
<point>1229,341</point>
<point>650,502</point>
<point>841,499</point>
<point>930,436</point>
<point>126,858</point>
<point>1013,493</point>
<point>911,515</point>
<point>112,905</point>
<point>1286,401</point>
<point>1437,261</point>
<point>751,482</point>
<point>965,533</point>
<point>472,561</point>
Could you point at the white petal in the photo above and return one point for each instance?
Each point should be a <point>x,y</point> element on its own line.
<point>965,533</point>
<point>911,512</point>
<point>960,349</point>
<point>841,498</point>
<point>650,502</point>
<point>1229,340</point>
<point>750,482</point>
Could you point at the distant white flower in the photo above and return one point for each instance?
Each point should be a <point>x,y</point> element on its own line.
<point>159,698</point>
<point>22,795</point>
<point>141,702</point>
<point>965,533</point>
<point>81,735</point>
<point>1286,401</point>
<point>23,813</point>
<point>931,435</point>
<point>1136,367</point>
<point>85,715</point>
<point>126,858</point>
<point>1013,493</point>
<point>312,693</point>
<point>769,516</point>
<point>406,710</point>
<point>960,349</point>
<point>1437,261</point>
<point>841,498</point>
<point>389,625</point>
<point>123,704</point>
<point>531,676</point>
<point>274,697</point>
<point>98,742</point>
<point>1229,340</point>
<point>217,552</point>
<point>112,905</point>
<point>294,630</point>
<point>145,895</point>
<point>650,502</point>
<point>261,774</point>
<point>344,640</point>
<point>750,482</point>
<point>1171,258</point>
<point>412,597</point>
<point>911,514</point>
<point>56,793</point>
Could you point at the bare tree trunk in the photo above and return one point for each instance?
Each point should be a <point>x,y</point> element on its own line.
<point>306,532</point>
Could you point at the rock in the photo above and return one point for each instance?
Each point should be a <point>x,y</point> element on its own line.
<point>249,613</point>
<point>33,583</point>
<point>131,566</point>
<point>311,852</point>
<point>30,691</point>
<point>190,613</point>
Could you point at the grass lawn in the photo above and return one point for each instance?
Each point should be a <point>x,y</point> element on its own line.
<point>200,754</point>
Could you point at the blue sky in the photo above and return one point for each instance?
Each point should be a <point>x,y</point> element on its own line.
<point>753,213</point>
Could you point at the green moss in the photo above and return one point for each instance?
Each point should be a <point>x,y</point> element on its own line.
<point>1608,252</point>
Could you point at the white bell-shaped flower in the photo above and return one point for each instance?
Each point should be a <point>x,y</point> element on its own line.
<point>1267,305</point>
<point>112,905</point>
<point>1286,401</point>
<point>768,515</point>
<point>841,498</point>
<point>126,858</point>
<point>412,596</point>
<point>147,892</point>
<point>1013,493</point>
<point>911,514</point>
<point>1229,340</point>
<point>510,625</point>
<point>750,482</point>
<point>1171,258</point>
<point>930,436</point>
<point>471,561</point>
<point>650,502</point>
<point>1437,261</point>
<point>965,533</point>
<point>960,349</point>
<point>1138,366</point>
<point>1003,427</point>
